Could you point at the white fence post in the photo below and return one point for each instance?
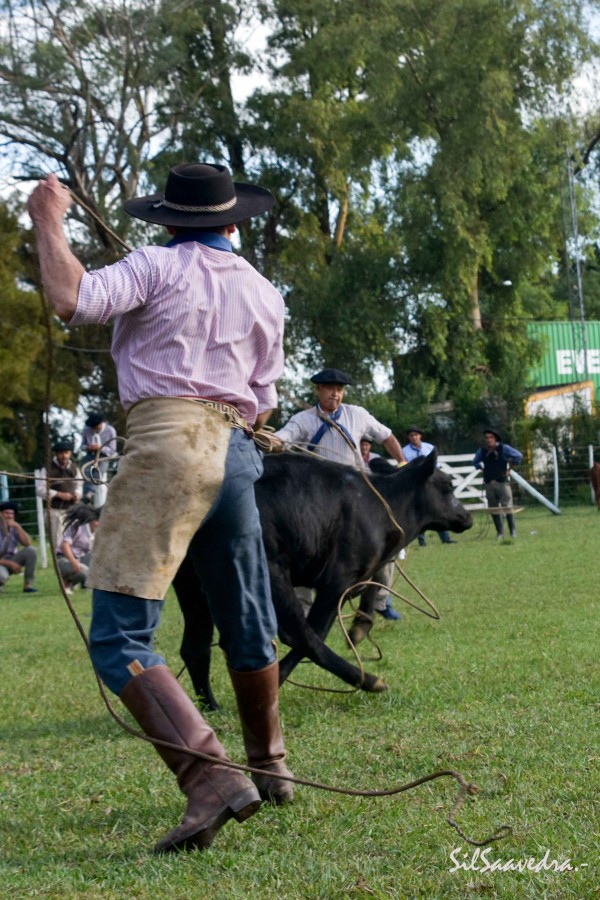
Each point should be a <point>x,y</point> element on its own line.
<point>41,521</point>
<point>555,464</point>
<point>531,490</point>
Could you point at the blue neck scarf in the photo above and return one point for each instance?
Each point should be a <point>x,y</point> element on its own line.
<point>328,418</point>
<point>208,238</point>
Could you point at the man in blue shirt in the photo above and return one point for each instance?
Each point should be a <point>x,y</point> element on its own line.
<point>496,458</point>
<point>418,447</point>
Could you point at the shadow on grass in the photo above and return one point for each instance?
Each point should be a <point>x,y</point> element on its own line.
<point>123,835</point>
<point>100,726</point>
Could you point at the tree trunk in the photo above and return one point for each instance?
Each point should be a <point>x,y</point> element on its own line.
<point>340,225</point>
<point>475,309</point>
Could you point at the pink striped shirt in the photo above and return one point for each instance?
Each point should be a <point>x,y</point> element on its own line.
<point>190,321</point>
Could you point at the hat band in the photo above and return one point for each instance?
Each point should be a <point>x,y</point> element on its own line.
<point>215,208</point>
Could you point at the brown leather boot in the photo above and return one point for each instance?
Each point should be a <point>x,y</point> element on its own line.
<point>214,794</point>
<point>257,695</point>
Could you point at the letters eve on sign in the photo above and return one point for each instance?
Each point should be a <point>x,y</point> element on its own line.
<point>573,362</point>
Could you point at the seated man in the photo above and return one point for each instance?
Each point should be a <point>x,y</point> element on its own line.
<point>13,560</point>
<point>74,553</point>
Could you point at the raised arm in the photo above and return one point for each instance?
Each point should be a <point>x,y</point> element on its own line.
<point>61,271</point>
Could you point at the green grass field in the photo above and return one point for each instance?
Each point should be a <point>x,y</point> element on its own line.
<point>503,689</point>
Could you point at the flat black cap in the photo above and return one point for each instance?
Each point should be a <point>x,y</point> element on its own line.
<point>331,376</point>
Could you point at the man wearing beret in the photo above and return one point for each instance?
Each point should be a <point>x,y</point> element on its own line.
<point>495,458</point>
<point>198,347</point>
<point>13,560</point>
<point>315,428</point>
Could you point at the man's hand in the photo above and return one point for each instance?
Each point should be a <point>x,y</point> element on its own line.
<point>267,442</point>
<point>48,202</point>
<point>277,445</point>
<point>65,495</point>
<point>13,567</point>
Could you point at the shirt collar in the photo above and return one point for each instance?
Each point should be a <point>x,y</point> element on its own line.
<point>208,238</point>
<point>329,415</point>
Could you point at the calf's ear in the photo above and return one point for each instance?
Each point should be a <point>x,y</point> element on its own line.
<point>427,466</point>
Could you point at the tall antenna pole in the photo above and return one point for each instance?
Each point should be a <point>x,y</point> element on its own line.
<point>579,312</point>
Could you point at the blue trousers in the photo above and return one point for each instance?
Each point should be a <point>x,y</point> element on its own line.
<point>229,556</point>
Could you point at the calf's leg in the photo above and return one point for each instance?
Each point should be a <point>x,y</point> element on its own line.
<point>308,641</point>
<point>198,630</point>
<point>364,618</point>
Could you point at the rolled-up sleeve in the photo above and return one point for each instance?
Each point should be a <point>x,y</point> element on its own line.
<point>269,368</point>
<point>116,289</point>
<point>377,430</point>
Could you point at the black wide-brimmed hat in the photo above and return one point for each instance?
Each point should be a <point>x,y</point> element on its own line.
<point>199,195</point>
<point>331,376</point>
<point>94,419</point>
<point>9,504</point>
<point>493,431</point>
<point>415,429</point>
<point>61,446</point>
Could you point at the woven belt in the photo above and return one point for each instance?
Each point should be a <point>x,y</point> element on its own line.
<point>229,413</point>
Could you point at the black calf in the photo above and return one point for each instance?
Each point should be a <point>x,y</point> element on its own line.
<point>324,528</point>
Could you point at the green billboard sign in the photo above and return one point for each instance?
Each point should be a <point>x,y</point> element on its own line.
<point>569,353</point>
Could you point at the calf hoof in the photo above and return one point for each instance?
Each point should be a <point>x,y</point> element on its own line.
<point>206,704</point>
<point>359,631</point>
<point>373,684</point>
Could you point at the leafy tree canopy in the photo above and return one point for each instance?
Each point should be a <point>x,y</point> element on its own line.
<point>417,153</point>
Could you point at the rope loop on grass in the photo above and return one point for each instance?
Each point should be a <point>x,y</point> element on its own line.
<point>466,789</point>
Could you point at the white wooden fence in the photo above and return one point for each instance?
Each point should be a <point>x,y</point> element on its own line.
<point>468,481</point>
<point>469,487</point>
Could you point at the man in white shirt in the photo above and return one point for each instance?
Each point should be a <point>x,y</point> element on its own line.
<point>334,429</point>
<point>62,484</point>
